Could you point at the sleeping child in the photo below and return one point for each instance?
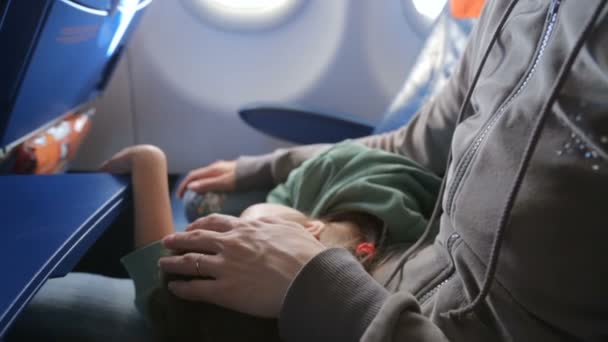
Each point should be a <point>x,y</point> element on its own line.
<point>350,196</point>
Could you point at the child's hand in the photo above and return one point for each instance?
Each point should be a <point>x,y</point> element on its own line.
<point>121,162</point>
<point>125,160</point>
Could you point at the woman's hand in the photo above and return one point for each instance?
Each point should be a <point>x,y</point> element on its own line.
<point>219,176</point>
<point>125,160</point>
<point>252,262</point>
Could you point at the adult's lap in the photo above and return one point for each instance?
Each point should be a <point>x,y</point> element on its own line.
<point>82,307</point>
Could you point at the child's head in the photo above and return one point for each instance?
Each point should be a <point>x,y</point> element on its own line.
<point>347,230</point>
<point>175,319</point>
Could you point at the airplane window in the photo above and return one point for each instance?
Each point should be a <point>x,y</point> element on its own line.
<point>249,4</point>
<point>429,8</point>
<point>421,14</point>
<point>243,14</point>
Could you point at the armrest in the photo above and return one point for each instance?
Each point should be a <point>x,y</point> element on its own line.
<point>303,126</point>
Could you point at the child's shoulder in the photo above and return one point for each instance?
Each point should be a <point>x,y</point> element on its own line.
<point>347,148</point>
<point>350,151</point>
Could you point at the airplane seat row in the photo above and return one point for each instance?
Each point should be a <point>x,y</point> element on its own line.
<point>56,58</point>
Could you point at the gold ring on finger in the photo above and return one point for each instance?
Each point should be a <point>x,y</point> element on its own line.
<point>198,267</point>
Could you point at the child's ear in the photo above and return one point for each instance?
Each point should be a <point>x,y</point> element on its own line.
<point>315,227</point>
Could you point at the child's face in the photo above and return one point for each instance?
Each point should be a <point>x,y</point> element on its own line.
<point>335,234</point>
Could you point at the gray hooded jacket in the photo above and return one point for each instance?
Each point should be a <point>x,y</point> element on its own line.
<point>523,220</point>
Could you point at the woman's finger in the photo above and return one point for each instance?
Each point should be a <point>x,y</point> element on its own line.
<point>207,171</point>
<point>209,184</point>
<point>201,241</point>
<point>184,184</point>
<point>214,222</point>
<point>281,221</point>
<point>192,264</point>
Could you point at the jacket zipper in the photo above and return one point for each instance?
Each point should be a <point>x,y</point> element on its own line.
<point>449,245</point>
<point>472,150</point>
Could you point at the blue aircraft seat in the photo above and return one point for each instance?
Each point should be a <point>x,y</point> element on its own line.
<point>56,56</point>
<point>433,67</point>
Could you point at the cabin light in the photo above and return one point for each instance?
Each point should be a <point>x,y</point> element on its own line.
<point>428,8</point>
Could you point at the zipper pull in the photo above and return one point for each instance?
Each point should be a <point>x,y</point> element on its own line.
<point>450,241</point>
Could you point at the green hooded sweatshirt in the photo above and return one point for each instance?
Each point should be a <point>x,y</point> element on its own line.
<point>351,177</point>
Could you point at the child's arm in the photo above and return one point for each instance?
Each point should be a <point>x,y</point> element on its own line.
<point>148,167</point>
<point>153,217</point>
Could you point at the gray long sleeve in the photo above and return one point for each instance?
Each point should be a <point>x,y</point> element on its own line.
<point>334,299</point>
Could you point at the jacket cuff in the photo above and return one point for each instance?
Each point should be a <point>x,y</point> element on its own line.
<point>254,172</point>
<point>332,299</point>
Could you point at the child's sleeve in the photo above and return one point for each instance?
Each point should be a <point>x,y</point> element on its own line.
<point>142,266</point>
<point>281,194</point>
<point>290,192</point>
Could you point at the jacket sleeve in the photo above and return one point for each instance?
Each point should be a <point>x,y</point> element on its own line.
<point>334,299</point>
<point>265,171</point>
<point>427,137</point>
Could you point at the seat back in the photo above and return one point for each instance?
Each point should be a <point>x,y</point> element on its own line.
<point>57,56</point>
<point>434,65</point>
